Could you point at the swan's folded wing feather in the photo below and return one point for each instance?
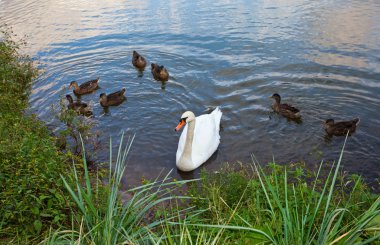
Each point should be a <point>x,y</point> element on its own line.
<point>206,139</point>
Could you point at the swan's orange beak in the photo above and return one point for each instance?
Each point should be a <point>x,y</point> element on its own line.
<point>180,125</point>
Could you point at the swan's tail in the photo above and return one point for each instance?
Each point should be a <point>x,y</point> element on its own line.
<point>217,116</point>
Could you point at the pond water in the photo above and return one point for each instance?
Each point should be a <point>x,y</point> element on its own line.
<point>321,56</point>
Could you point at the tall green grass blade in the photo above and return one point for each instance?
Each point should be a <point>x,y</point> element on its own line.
<point>86,176</point>
<point>323,234</point>
<point>232,227</point>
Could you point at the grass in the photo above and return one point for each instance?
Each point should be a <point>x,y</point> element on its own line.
<point>281,206</point>
<point>273,205</point>
<point>106,219</point>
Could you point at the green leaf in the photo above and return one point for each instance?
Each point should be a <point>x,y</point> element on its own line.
<point>56,219</point>
<point>50,203</point>
<point>42,197</point>
<point>37,225</point>
<point>45,215</point>
<point>35,210</point>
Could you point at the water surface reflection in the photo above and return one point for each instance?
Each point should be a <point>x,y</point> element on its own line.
<point>321,56</point>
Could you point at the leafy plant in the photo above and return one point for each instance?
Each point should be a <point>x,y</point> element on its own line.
<point>106,219</point>
<point>280,206</point>
<point>75,125</point>
<point>32,196</point>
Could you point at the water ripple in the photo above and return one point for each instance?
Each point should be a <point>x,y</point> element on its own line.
<point>322,57</point>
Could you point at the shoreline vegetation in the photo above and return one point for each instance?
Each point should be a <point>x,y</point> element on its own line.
<point>48,196</point>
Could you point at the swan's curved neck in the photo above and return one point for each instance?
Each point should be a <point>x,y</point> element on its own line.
<point>186,154</point>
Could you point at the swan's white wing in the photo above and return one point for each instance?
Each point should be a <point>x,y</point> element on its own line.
<point>206,137</point>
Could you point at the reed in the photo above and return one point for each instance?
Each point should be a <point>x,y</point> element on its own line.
<point>105,218</point>
<point>272,207</point>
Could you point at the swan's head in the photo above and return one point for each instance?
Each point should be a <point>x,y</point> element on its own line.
<point>186,117</point>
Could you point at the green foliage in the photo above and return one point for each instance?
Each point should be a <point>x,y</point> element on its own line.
<point>275,205</point>
<point>16,72</point>
<point>32,194</point>
<point>284,205</point>
<point>76,125</point>
<point>105,218</point>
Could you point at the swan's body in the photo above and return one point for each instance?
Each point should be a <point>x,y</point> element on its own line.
<point>199,140</point>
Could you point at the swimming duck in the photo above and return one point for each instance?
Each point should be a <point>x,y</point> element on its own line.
<point>116,98</point>
<point>340,128</point>
<point>138,61</point>
<point>159,72</point>
<point>199,139</point>
<point>86,87</point>
<point>80,107</point>
<point>285,109</point>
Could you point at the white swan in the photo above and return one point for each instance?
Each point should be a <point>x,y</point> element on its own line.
<point>199,139</point>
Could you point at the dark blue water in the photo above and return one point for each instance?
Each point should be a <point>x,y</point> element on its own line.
<point>321,56</point>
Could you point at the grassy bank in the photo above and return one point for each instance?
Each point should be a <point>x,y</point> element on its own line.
<point>237,205</point>
<point>32,195</point>
<point>288,205</point>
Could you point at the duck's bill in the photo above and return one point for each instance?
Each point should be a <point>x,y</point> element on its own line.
<point>180,125</point>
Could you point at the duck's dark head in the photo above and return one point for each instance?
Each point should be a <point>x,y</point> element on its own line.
<point>276,97</point>
<point>164,74</point>
<point>73,84</point>
<point>135,53</point>
<point>69,98</point>
<point>102,97</point>
<point>153,66</point>
<point>329,122</point>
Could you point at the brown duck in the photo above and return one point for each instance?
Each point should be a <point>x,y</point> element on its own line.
<point>86,87</point>
<point>138,61</point>
<point>79,107</point>
<point>116,98</point>
<point>341,128</point>
<point>159,72</point>
<point>285,109</point>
